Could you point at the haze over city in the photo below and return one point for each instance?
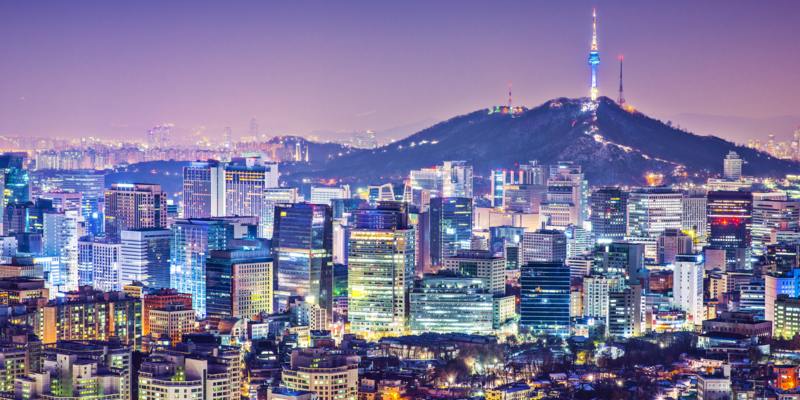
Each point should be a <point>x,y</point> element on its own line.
<point>112,70</point>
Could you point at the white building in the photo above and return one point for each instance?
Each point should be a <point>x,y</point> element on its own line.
<point>480,264</point>
<point>60,239</point>
<point>651,210</point>
<point>595,293</point>
<point>688,287</point>
<point>272,198</point>
<point>144,257</point>
<point>733,166</point>
<point>452,179</point>
<point>324,195</point>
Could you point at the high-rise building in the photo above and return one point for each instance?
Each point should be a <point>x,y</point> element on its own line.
<point>733,166</point>
<point>64,201</point>
<point>302,247</point>
<point>672,242</point>
<point>688,287</point>
<point>451,304</point>
<point>651,210</point>
<point>624,317</point>
<point>545,297</point>
<point>452,179</point>
<point>27,217</point>
<point>609,213</point>
<point>381,270</point>
<point>191,243</point>
<point>730,216</point>
<point>787,315</point>
<point>99,264</point>
<point>238,284</point>
<point>134,206</point>
<point>254,127</point>
<point>594,58</point>
<point>618,258</point>
<point>245,182</point>
<point>159,299</point>
<point>595,293</point>
<point>324,195</point>
<point>481,264</point>
<point>227,136</point>
<point>769,215</point>
<point>189,369</point>
<point>16,179</point>
<point>172,321</point>
<point>88,314</point>
<point>544,245</point>
<point>272,198</point>
<point>695,207</point>
<point>145,257</point>
<point>60,239</point>
<point>566,200</point>
<point>386,192</point>
<point>525,199</point>
<point>336,372</point>
<point>90,184</point>
<point>450,227</point>
<point>204,189</point>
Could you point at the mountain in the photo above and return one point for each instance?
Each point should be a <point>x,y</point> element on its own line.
<point>613,145</point>
<point>738,129</point>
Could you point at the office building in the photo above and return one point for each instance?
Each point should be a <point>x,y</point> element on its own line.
<point>145,257</point>
<point>302,247</point>
<point>624,317</point>
<point>60,239</point>
<point>714,387</point>
<point>523,198</point>
<point>188,370</point>
<point>609,213</point>
<point>159,299</point>
<point>544,245</point>
<point>90,184</point>
<point>88,314</point>
<point>771,215</point>
<point>651,210</point>
<point>787,317</point>
<point>272,198</point>
<point>324,195</point>
<point>172,321</point>
<point>482,264</point>
<point>545,298</point>
<point>245,182</point>
<point>595,293</point>
<point>204,189</point>
<point>695,207</point>
<point>134,206</point>
<point>688,287</point>
<point>619,258</point>
<point>16,179</point>
<point>451,304</point>
<point>752,298</point>
<point>27,217</point>
<point>381,270</point>
<point>238,284</point>
<point>387,192</point>
<point>567,198</point>
<point>190,245</point>
<point>732,166</point>
<point>672,242</point>
<point>450,227</point>
<point>730,216</point>
<point>336,373</point>
<point>99,264</point>
<point>64,201</point>
<point>452,179</point>
<point>741,323</point>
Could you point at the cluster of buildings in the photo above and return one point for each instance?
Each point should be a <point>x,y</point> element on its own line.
<point>789,150</point>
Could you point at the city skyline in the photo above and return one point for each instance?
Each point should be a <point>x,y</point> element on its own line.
<point>356,67</point>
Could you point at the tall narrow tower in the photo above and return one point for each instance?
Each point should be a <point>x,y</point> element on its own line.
<point>594,56</point>
<point>509,97</point>
<point>621,99</point>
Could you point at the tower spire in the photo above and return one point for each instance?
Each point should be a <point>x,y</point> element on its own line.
<point>594,57</point>
<point>621,98</point>
<point>509,97</point>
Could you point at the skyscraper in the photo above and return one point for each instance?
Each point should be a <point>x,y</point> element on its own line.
<point>733,166</point>
<point>545,298</point>
<point>651,210</point>
<point>272,198</point>
<point>769,215</point>
<point>191,243</point>
<point>695,207</point>
<point>452,179</point>
<point>60,239</point>
<point>204,189</point>
<point>730,216</point>
<point>145,257</point>
<point>450,227</point>
<point>254,127</point>
<point>91,186</point>
<point>609,213</point>
<point>594,57</point>
<point>566,200</point>
<point>381,270</point>
<point>544,246</point>
<point>245,182</point>
<point>227,136</point>
<point>688,287</point>
<point>16,181</point>
<point>482,264</point>
<point>302,245</point>
<point>238,284</point>
<point>134,206</point>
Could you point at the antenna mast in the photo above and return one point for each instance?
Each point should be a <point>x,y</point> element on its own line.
<point>509,97</point>
<point>621,99</point>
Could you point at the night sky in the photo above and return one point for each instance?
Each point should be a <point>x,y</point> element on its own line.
<point>109,68</point>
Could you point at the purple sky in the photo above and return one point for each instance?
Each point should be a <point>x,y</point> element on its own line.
<point>86,68</point>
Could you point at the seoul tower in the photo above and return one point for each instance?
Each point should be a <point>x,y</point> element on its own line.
<point>594,56</point>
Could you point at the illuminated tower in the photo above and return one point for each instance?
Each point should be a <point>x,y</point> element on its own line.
<point>621,99</point>
<point>594,56</point>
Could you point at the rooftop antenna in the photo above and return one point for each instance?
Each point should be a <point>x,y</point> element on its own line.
<point>621,99</point>
<point>509,96</point>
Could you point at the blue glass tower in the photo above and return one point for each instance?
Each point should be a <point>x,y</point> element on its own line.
<point>594,56</point>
